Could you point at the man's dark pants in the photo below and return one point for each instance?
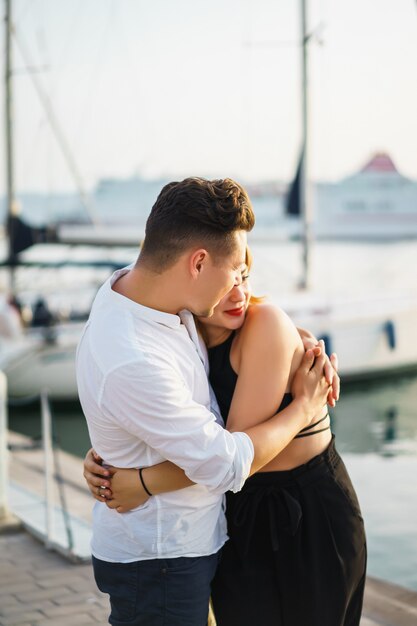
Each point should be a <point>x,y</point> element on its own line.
<point>160,592</point>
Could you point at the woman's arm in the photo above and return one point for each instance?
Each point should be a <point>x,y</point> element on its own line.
<point>128,491</point>
<point>267,362</point>
<point>270,349</point>
<point>121,489</point>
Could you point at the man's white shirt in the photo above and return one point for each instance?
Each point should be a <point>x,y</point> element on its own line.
<point>143,387</point>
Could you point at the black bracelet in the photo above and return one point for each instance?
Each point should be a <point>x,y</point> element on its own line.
<point>143,482</point>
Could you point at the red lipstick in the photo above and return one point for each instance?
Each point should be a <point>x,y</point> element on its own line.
<point>236,312</point>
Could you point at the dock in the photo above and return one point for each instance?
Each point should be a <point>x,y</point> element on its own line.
<point>40,587</point>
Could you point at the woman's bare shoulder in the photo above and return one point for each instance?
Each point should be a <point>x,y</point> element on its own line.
<point>269,320</point>
<point>267,313</point>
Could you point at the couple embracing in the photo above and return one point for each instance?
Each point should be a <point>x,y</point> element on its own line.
<point>193,389</point>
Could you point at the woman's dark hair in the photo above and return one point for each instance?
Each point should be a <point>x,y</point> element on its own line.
<point>195,212</point>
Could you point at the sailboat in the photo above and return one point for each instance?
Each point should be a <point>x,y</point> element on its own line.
<point>41,356</point>
<point>372,337</point>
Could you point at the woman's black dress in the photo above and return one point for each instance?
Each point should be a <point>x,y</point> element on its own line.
<point>297,549</point>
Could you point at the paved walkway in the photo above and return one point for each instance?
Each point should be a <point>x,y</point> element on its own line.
<point>41,588</point>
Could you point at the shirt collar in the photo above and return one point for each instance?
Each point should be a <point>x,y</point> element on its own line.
<point>187,319</point>
<point>139,310</point>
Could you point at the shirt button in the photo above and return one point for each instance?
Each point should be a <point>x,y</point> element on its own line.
<point>164,570</point>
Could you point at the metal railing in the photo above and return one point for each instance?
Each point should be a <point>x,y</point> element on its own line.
<point>51,466</point>
<point>52,471</point>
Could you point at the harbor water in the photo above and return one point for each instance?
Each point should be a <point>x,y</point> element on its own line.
<point>375,422</point>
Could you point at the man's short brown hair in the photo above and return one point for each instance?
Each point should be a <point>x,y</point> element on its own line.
<point>195,212</point>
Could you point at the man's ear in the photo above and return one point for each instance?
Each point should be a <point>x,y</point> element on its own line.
<point>197,260</point>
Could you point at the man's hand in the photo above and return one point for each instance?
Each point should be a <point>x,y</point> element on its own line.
<point>97,476</point>
<point>330,368</point>
<point>127,490</point>
<point>330,372</point>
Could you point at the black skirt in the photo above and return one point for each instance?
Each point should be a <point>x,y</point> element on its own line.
<point>297,549</point>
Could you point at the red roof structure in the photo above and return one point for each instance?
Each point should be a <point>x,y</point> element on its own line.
<point>380,162</point>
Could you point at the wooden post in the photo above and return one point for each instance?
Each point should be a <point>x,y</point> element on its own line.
<point>8,522</point>
<point>4,512</point>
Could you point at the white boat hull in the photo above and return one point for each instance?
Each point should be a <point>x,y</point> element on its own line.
<point>365,349</point>
<point>50,366</point>
<point>371,339</point>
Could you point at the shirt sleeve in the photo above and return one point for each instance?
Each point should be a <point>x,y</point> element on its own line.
<point>153,403</point>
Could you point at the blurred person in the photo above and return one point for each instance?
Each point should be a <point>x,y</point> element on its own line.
<point>42,316</point>
<point>11,324</point>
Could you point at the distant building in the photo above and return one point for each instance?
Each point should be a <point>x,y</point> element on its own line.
<point>377,201</point>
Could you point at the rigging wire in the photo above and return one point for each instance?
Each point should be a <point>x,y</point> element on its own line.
<point>96,73</point>
<point>73,27</point>
<point>134,87</point>
<point>53,87</point>
<point>57,130</point>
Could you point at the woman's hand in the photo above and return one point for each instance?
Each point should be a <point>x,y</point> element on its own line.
<point>97,476</point>
<point>119,488</point>
<point>127,490</point>
<point>309,383</point>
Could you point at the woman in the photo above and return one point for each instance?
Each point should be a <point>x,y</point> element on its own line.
<point>296,554</point>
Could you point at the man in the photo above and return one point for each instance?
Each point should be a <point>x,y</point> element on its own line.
<point>145,394</point>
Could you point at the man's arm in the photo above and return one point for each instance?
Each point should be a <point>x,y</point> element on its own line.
<point>153,402</point>
<point>268,440</point>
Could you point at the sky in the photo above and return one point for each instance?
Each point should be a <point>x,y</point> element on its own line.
<point>172,88</point>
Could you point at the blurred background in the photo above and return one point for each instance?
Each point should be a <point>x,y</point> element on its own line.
<point>310,105</point>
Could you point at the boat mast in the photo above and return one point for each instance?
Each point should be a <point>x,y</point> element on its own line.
<point>305,200</point>
<point>8,108</point>
<point>10,188</point>
<point>59,136</point>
